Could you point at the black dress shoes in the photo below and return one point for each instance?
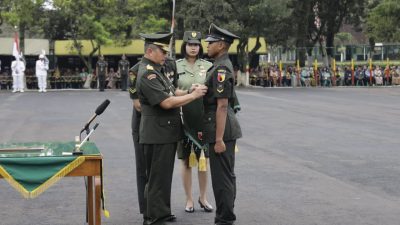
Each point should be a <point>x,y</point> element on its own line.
<point>170,218</point>
<point>206,207</point>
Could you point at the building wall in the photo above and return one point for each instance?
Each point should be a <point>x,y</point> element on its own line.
<point>32,46</point>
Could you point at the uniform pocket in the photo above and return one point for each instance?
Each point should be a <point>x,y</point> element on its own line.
<point>169,121</point>
<point>209,128</point>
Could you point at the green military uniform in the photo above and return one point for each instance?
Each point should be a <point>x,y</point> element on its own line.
<point>141,179</point>
<point>220,82</point>
<point>169,70</point>
<point>189,75</point>
<point>123,66</point>
<point>160,130</point>
<point>102,71</point>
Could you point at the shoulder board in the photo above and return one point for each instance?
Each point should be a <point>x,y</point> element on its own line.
<point>205,61</point>
<point>149,67</point>
<point>179,60</point>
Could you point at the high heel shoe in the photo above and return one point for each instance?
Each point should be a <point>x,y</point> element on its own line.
<point>189,209</point>
<point>207,207</point>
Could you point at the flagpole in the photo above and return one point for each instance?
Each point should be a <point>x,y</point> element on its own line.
<point>171,45</point>
<point>16,51</point>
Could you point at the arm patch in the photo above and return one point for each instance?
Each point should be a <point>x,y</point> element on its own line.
<point>151,76</point>
<point>221,75</point>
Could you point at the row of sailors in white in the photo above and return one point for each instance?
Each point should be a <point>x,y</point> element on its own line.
<point>42,65</point>
<point>18,69</point>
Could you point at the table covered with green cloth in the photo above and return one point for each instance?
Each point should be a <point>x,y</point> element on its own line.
<point>33,167</point>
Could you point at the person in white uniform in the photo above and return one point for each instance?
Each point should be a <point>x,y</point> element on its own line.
<point>42,66</point>
<point>18,69</point>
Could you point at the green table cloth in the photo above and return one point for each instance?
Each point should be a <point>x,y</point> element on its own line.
<point>33,167</point>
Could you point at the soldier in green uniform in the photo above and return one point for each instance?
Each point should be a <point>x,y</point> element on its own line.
<point>160,125</point>
<point>139,154</point>
<point>123,67</point>
<point>170,71</point>
<point>192,70</point>
<point>101,72</point>
<point>221,128</point>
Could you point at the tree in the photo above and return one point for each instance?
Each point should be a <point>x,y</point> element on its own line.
<point>104,22</point>
<point>87,21</point>
<point>246,18</point>
<point>383,21</point>
<point>22,14</point>
<point>305,27</point>
<point>262,18</point>
<point>318,21</point>
<point>335,13</point>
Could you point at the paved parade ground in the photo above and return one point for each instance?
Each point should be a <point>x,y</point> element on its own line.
<point>316,156</point>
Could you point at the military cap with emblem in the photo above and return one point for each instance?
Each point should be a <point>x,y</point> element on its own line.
<point>192,37</point>
<point>160,39</point>
<point>218,34</point>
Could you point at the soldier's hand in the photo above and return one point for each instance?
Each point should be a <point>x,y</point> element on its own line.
<point>199,91</point>
<point>219,147</point>
<point>191,89</point>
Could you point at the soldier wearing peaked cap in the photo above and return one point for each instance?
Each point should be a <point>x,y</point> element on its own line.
<point>139,154</point>
<point>102,72</point>
<point>123,67</point>
<point>192,70</point>
<point>221,127</point>
<point>160,126</point>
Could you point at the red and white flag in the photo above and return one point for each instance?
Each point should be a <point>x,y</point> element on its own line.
<point>16,47</point>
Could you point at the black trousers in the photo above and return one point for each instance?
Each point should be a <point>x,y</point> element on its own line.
<point>141,179</point>
<point>124,81</point>
<point>224,182</point>
<point>160,159</point>
<point>102,82</point>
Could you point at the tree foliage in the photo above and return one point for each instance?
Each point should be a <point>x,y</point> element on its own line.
<point>104,22</point>
<point>23,14</point>
<point>383,21</point>
<point>246,18</point>
<point>316,21</point>
<point>282,23</point>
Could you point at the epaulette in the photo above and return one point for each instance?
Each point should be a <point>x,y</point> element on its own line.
<point>179,60</point>
<point>149,67</point>
<point>205,61</point>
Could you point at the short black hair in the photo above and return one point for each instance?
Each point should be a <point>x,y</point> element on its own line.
<point>150,45</point>
<point>183,50</point>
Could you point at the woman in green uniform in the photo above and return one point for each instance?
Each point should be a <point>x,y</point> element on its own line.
<point>191,71</point>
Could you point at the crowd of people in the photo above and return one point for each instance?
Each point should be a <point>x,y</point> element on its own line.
<point>21,78</point>
<point>290,76</point>
<point>40,78</point>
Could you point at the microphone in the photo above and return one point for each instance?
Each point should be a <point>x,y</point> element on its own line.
<point>77,150</point>
<point>100,109</point>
